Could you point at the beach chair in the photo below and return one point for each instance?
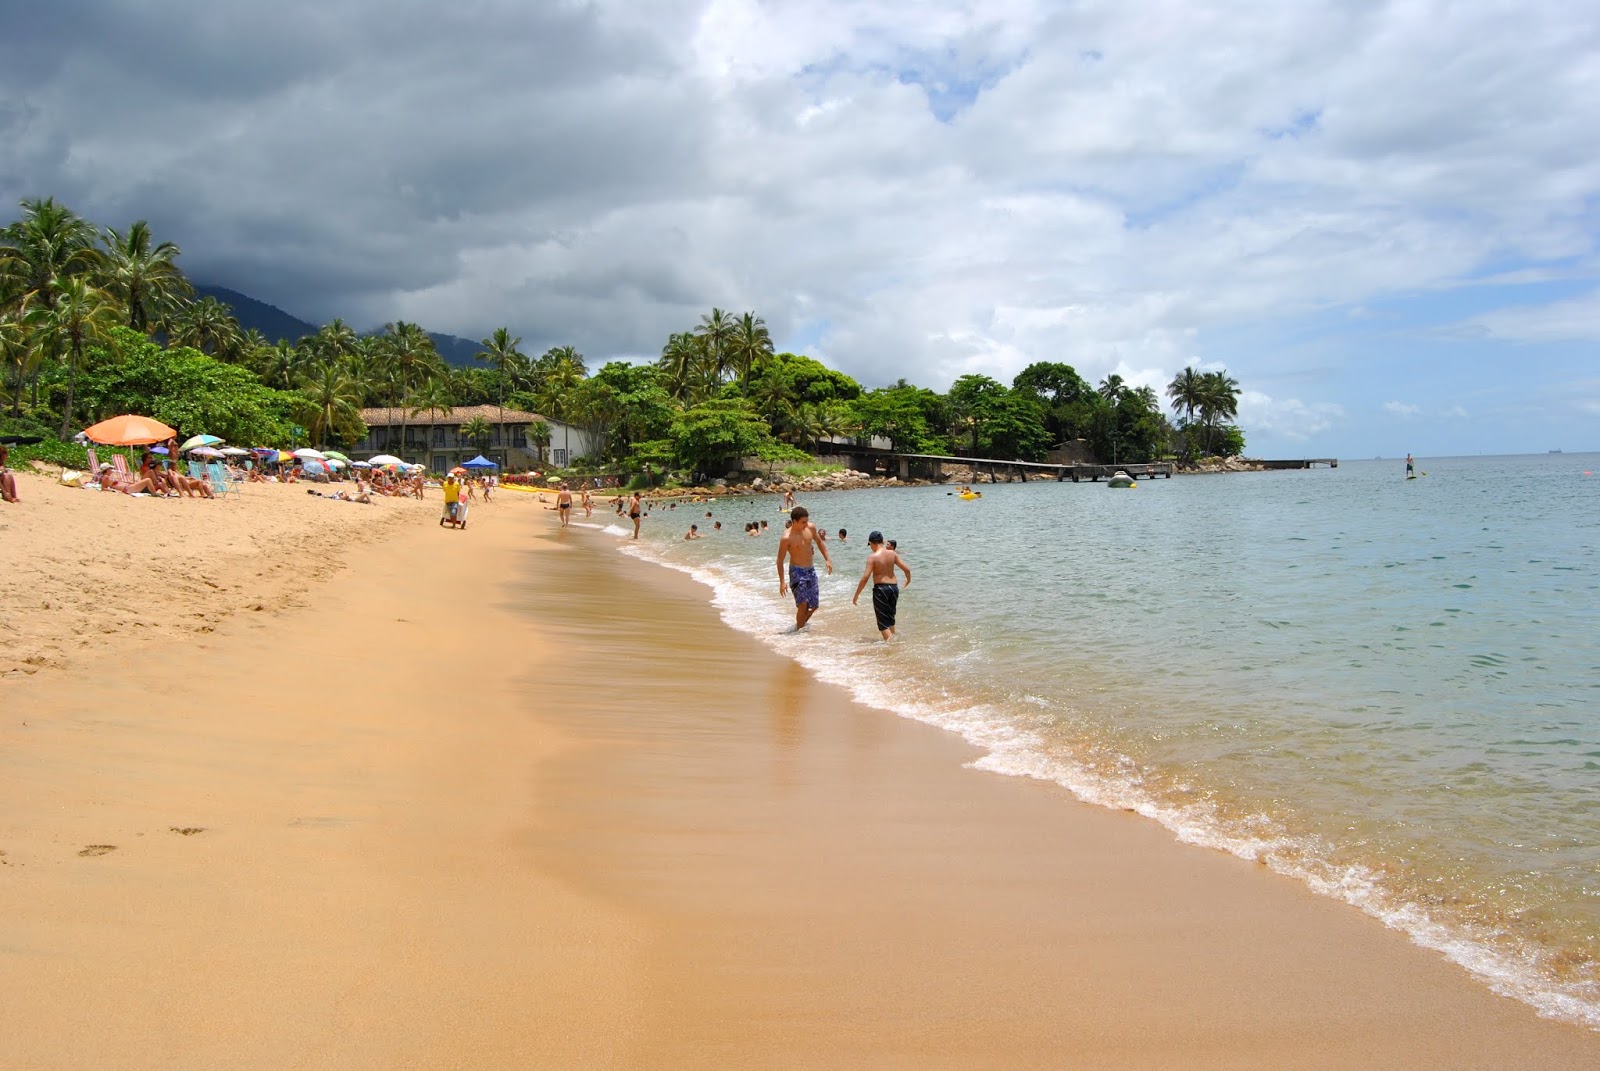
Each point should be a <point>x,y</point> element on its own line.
<point>221,486</point>
<point>121,477</point>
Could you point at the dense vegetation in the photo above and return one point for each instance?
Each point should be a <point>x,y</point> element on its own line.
<point>95,322</point>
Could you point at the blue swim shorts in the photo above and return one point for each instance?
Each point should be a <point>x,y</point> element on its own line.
<point>803,582</point>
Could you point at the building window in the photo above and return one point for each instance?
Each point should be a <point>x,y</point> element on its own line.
<point>558,458</point>
<point>438,436</point>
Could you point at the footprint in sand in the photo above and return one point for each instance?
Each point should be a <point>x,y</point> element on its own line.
<point>187,831</point>
<point>98,849</point>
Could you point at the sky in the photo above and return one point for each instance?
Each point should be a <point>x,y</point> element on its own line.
<point>1380,218</point>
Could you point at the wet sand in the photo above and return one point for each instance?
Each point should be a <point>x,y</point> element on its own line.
<point>830,887</point>
<point>504,798</point>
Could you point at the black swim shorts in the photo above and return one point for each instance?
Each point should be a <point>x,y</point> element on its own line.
<point>885,601</point>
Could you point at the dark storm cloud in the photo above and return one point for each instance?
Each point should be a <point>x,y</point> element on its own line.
<point>317,155</point>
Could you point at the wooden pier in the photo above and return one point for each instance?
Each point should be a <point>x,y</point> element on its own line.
<point>1300,463</point>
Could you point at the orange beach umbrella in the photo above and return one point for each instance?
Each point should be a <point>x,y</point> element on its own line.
<point>129,430</point>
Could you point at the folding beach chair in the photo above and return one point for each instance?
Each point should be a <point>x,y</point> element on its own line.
<point>121,477</point>
<point>221,486</point>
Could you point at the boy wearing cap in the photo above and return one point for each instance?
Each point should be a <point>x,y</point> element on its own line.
<point>881,564</point>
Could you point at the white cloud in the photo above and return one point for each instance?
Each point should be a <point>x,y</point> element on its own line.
<point>936,187</point>
<point>1286,418</point>
<point>1402,409</point>
<point>1572,320</point>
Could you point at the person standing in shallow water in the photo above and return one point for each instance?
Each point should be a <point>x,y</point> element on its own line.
<point>799,545</point>
<point>881,564</point>
<point>634,509</point>
<point>564,505</point>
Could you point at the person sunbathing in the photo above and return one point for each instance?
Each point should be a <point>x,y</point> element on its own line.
<point>8,479</point>
<point>137,487</point>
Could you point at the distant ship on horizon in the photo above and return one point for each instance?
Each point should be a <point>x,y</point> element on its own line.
<point>1555,451</point>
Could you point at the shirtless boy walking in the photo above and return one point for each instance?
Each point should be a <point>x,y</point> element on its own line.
<point>881,564</point>
<point>799,545</point>
<point>564,505</point>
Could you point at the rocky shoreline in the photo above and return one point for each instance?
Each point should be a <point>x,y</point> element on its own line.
<point>852,480</point>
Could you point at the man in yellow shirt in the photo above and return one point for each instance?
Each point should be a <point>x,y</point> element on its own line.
<point>452,500</point>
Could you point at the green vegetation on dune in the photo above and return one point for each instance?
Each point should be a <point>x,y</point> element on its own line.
<point>99,322</point>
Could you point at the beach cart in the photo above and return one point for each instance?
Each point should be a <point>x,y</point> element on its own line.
<point>459,520</point>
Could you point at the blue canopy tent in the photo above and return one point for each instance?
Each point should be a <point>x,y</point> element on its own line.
<point>479,462</point>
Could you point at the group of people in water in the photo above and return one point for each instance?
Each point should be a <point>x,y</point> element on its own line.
<point>798,546</point>
<point>802,541</point>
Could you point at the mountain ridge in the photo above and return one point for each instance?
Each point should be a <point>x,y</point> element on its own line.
<point>278,325</point>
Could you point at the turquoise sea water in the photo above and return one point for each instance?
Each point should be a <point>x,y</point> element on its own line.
<point>1388,689</point>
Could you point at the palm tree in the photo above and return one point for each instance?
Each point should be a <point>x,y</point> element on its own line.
<point>38,252</point>
<point>144,277</point>
<point>557,396</point>
<point>278,365</point>
<point>500,351</point>
<point>208,325</point>
<point>539,432</point>
<point>82,314</point>
<point>1219,401</point>
<point>411,353</point>
<point>477,430</point>
<point>434,397</point>
<point>717,331</point>
<point>335,398</point>
<point>683,365</point>
<point>773,400</point>
<point>1186,390</point>
<point>751,343</point>
<point>1112,388</point>
<point>19,354</point>
<point>333,341</point>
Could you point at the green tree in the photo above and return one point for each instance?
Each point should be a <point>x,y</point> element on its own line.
<point>719,430</point>
<point>334,411</point>
<point>557,391</point>
<point>82,315</point>
<point>1063,393</point>
<point>478,432</point>
<point>184,388</point>
<point>500,352</point>
<point>411,358</point>
<point>143,276</point>
<point>20,355</point>
<point>433,398</point>
<point>643,411</point>
<point>1219,402</point>
<point>1186,391</point>
<point>972,399</point>
<point>685,365</point>
<point>40,251</point>
<point>208,326</point>
<point>749,343</point>
<point>903,414</point>
<point>539,433</point>
<point>716,332</point>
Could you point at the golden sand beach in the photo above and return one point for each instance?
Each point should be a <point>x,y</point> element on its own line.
<point>502,798</point>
